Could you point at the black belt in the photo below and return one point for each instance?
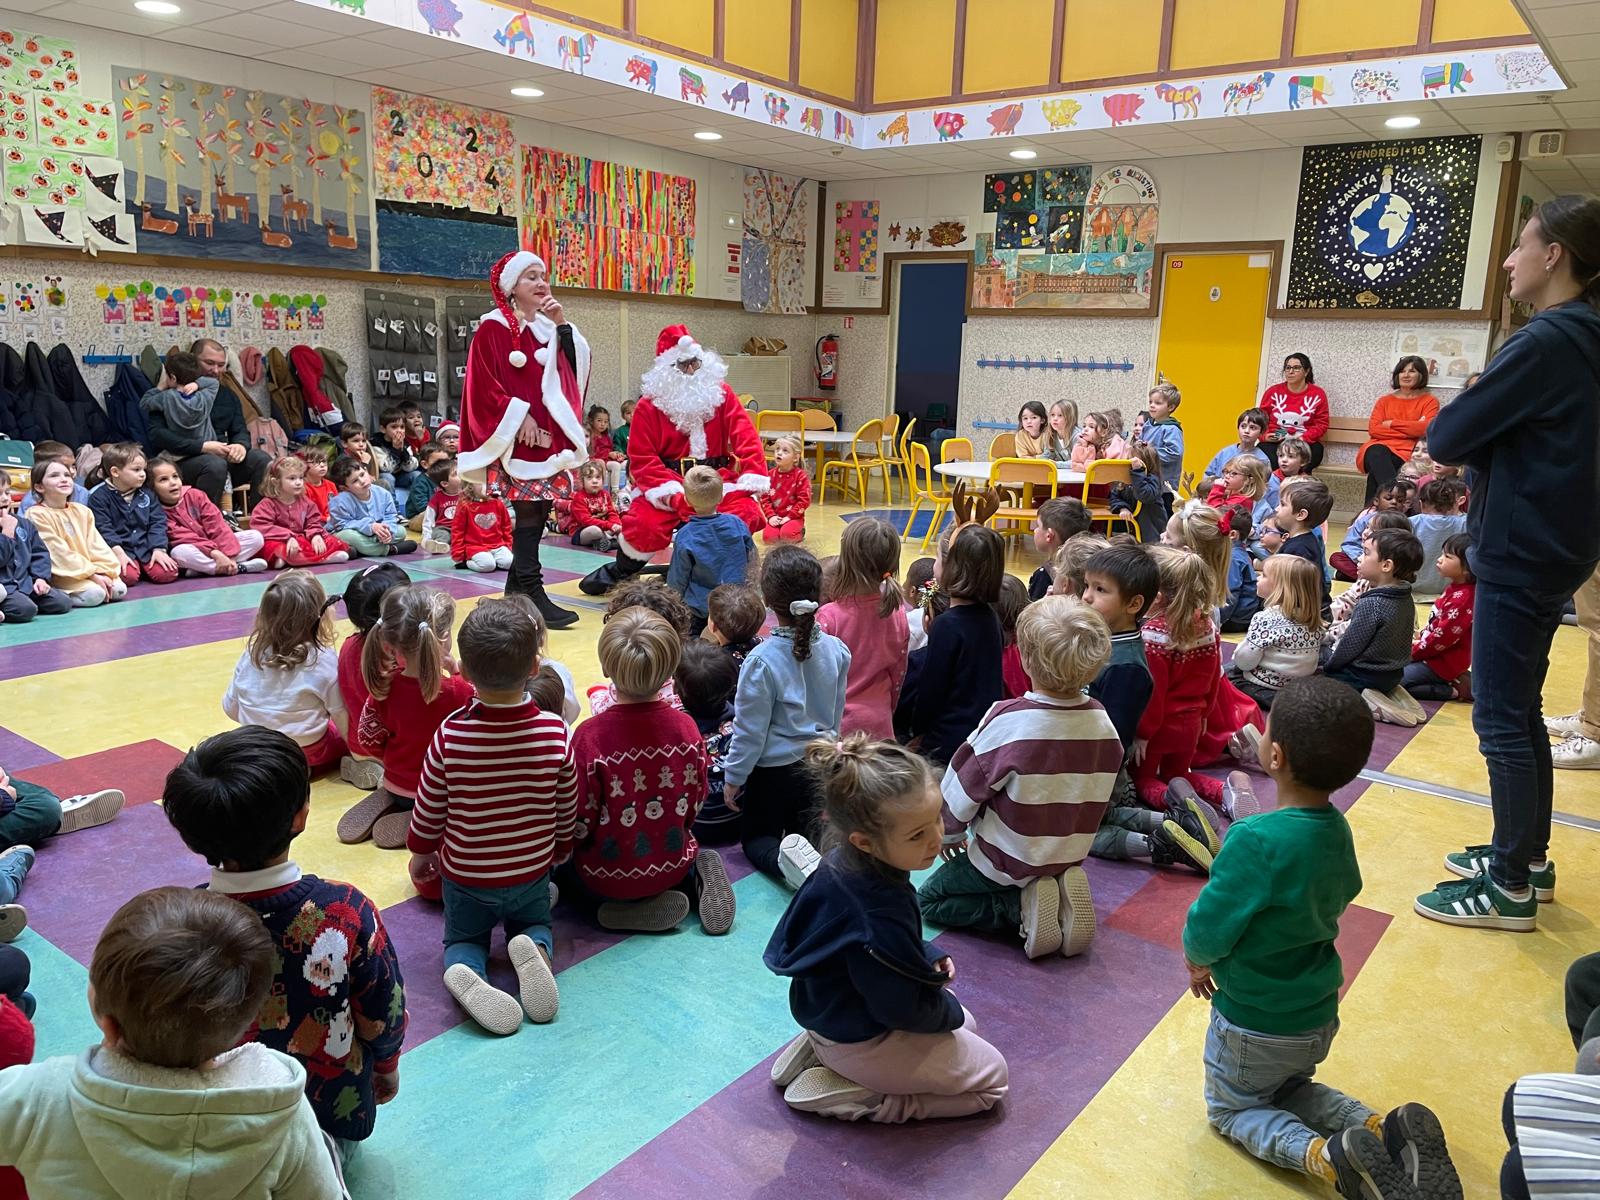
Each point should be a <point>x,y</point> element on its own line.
<point>683,465</point>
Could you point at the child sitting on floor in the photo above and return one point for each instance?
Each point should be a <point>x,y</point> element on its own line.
<point>592,518</point>
<point>1030,786</point>
<point>1059,519</point>
<point>1345,602</point>
<point>602,450</point>
<point>619,435</point>
<point>319,488</point>
<point>288,676</point>
<point>791,691</point>
<point>81,564</point>
<point>705,681</point>
<point>290,524</point>
<point>635,851</point>
<point>735,614</point>
<point>1284,637</point>
<point>918,583</point>
<point>363,601</point>
<point>353,444</point>
<point>363,516</point>
<point>416,423</point>
<point>1066,568</point>
<point>1259,944</point>
<point>1244,602</point>
<point>130,519</point>
<point>784,504</point>
<point>1375,648</point>
<point>664,602</point>
<point>397,465</point>
<point>439,518</point>
<point>1390,497</point>
<point>169,1102</point>
<point>423,486</point>
<point>712,548</point>
<point>1441,517</point>
<point>882,1036</point>
<point>201,542</point>
<point>1013,600</point>
<point>1442,654</point>
<point>962,674</point>
<point>864,613</point>
<point>239,800</point>
<point>1303,505</point>
<point>480,535</point>
<point>1242,487</point>
<point>25,587</point>
<point>493,826</point>
<point>1181,649</point>
<point>1252,427</point>
<point>49,452</point>
<point>409,694</point>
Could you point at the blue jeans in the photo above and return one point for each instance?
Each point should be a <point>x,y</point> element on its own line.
<point>1423,682</point>
<point>470,915</point>
<point>1512,629</point>
<point>1259,1091</point>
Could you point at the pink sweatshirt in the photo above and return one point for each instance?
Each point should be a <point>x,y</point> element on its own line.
<point>195,521</point>
<point>878,648</point>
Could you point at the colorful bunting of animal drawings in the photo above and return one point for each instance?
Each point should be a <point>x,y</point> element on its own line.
<point>518,31</point>
<point>442,16</point>
<point>737,95</point>
<point>642,70</point>
<point>777,109</point>
<point>949,125</point>
<point>1061,113</point>
<point>1186,98</point>
<point>1246,92</point>
<point>844,129</point>
<point>811,120</point>
<point>1004,120</point>
<point>1123,107</point>
<point>900,128</point>
<point>1370,84</point>
<point>1521,68</point>
<point>691,85</point>
<point>1315,86</point>
<point>1453,76</point>
<point>578,49</point>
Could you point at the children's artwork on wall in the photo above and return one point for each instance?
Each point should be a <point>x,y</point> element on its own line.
<point>44,178</point>
<point>107,224</point>
<point>429,151</point>
<point>113,304</point>
<point>427,239</point>
<point>1094,250</point>
<point>25,297</point>
<point>1452,354</point>
<point>1384,224</point>
<point>601,225</point>
<point>18,122</point>
<point>772,272</point>
<point>75,123</point>
<point>855,236</point>
<point>29,60</point>
<point>55,293</point>
<point>217,171</point>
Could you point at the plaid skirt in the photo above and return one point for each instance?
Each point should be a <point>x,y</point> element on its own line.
<point>556,487</point>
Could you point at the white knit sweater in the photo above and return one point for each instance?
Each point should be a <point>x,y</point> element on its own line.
<point>1276,650</point>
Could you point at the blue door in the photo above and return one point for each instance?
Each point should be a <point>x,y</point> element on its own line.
<point>927,364</point>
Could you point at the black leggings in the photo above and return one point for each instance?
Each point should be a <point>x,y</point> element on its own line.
<point>1382,465</point>
<point>15,972</point>
<point>776,801</point>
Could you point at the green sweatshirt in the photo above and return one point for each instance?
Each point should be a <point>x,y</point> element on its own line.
<point>1266,921</point>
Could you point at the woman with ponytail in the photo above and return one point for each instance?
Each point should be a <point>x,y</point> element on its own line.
<point>791,692</point>
<point>1528,434</point>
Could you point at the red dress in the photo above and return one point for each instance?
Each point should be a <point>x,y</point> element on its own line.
<point>657,449</point>
<point>788,500</point>
<point>1184,686</point>
<point>496,396</point>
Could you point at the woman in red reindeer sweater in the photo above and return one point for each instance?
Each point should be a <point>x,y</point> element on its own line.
<point>522,411</point>
<point>687,416</point>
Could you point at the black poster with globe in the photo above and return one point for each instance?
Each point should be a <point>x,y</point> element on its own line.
<point>1384,224</point>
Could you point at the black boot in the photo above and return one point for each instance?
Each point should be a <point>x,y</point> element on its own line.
<point>555,617</point>
<point>526,577</point>
<point>601,580</point>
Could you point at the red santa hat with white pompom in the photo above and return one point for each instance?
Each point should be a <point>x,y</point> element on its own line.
<point>501,280</point>
<point>676,341</point>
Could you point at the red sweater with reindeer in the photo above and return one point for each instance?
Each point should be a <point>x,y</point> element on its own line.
<point>790,495</point>
<point>479,525</point>
<point>587,508</point>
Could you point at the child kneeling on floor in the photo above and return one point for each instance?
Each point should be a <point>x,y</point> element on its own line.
<point>337,1004</point>
<point>1259,944</point>
<point>169,1102</point>
<point>883,1037</point>
<point>640,789</point>
<point>497,821</point>
<point>1030,785</point>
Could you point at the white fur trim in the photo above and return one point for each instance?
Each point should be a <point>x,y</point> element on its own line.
<point>525,469</point>
<point>751,482</point>
<point>633,553</point>
<point>542,355</point>
<point>551,395</point>
<point>473,463</point>
<point>517,359</point>
<point>512,271</point>
<point>661,496</point>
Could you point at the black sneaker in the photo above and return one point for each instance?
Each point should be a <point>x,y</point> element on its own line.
<point>1193,815</point>
<point>1414,1138</point>
<point>1171,843</point>
<point>1364,1169</point>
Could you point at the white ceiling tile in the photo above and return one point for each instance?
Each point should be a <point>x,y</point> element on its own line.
<point>219,43</point>
<point>364,52</point>
<point>329,20</point>
<point>269,34</point>
<point>424,45</point>
<point>1566,20</point>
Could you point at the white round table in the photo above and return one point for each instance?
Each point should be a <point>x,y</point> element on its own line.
<point>820,438</point>
<point>978,472</point>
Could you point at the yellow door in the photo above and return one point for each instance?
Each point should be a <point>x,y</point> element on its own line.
<point>1213,318</point>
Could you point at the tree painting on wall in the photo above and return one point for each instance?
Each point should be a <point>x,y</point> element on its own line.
<point>214,171</point>
<point>772,259</point>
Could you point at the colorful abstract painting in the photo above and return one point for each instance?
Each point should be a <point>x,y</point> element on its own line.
<point>855,236</point>
<point>1384,224</point>
<point>772,275</point>
<point>429,151</point>
<point>46,64</point>
<point>1065,185</point>
<point>1010,192</point>
<point>1020,230</point>
<point>602,225</point>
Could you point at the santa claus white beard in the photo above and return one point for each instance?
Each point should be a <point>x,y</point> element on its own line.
<point>688,401</point>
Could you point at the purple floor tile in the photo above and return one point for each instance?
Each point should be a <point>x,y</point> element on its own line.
<point>1100,1007</point>
<point>17,753</point>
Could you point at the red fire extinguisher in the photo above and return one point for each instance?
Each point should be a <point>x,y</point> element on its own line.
<point>827,371</point>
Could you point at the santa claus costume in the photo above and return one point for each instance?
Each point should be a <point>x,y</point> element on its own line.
<point>522,411</point>
<point>687,416</point>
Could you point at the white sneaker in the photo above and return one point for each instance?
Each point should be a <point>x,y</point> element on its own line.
<point>536,984</point>
<point>797,859</point>
<point>1076,912</point>
<point>1570,725</point>
<point>1041,918</point>
<point>1384,709</point>
<point>89,810</point>
<point>1577,753</point>
<point>486,1004</point>
<point>829,1094</point>
<point>364,773</point>
<point>13,920</point>
<point>1245,745</point>
<point>252,566</point>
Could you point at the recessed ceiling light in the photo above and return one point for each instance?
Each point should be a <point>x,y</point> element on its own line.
<point>1024,154</point>
<point>531,93</point>
<point>157,8</point>
<point>707,135</point>
<point>1403,122</point>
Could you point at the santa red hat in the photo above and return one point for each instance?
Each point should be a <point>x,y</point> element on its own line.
<point>677,337</point>
<point>501,280</point>
<point>450,425</point>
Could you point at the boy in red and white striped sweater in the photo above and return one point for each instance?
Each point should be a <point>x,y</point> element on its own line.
<point>497,803</point>
<point>1030,786</point>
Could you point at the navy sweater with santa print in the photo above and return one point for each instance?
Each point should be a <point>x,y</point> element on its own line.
<point>337,1003</point>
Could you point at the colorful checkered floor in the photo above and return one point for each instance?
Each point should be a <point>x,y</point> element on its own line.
<point>653,1080</point>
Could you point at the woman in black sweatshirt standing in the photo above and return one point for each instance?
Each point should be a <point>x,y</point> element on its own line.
<point>1529,432</point>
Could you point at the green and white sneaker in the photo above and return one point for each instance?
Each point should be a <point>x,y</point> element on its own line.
<point>1480,904</point>
<point>1474,860</point>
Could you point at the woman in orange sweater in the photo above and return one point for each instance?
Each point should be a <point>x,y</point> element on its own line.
<point>1397,421</point>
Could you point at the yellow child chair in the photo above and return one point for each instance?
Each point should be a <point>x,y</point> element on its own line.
<point>925,489</point>
<point>1035,478</point>
<point>891,429</point>
<point>901,461</point>
<point>866,455</point>
<point>1102,473</point>
<point>777,421</point>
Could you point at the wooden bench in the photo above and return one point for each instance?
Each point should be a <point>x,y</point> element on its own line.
<point>1347,484</point>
